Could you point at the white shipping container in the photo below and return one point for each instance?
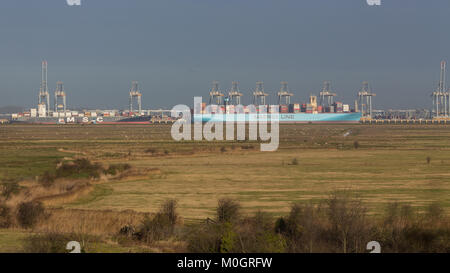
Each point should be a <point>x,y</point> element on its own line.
<point>33,112</point>
<point>93,114</point>
<point>346,108</point>
<point>42,110</point>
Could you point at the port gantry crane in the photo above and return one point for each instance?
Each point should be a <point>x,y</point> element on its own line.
<point>44,96</point>
<point>234,95</point>
<point>60,97</point>
<point>284,93</point>
<point>215,95</point>
<point>259,96</point>
<point>365,100</point>
<point>135,94</point>
<point>326,96</point>
<point>441,97</point>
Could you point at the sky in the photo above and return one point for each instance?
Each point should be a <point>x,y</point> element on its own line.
<point>176,48</point>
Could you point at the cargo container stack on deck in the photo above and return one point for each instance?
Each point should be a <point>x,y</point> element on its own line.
<point>310,112</point>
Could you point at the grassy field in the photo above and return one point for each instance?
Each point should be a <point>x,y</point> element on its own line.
<point>12,241</point>
<point>390,164</point>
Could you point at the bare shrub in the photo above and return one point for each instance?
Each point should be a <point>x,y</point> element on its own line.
<point>5,216</point>
<point>128,231</point>
<point>347,219</point>
<point>47,179</point>
<point>169,210</point>
<point>405,230</point>
<point>53,242</point>
<point>8,189</point>
<point>302,228</point>
<point>247,147</point>
<point>46,243</point>
<point>117,168</point>
<point>151,151</point>
<point>397,219</point>
<point>161,226</point>
<point>339,224</point>
<point>227,210</point>
<point>434,213</point>
<point>29,213</point>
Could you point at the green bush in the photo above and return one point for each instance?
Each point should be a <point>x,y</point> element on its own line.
<point>79,168</point>
<point>228,238</point>
<point>233,234</point>
<point>204,238</point>
<point>256,235</point>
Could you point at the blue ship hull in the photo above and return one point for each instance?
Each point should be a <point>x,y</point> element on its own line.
<point>283,118</point>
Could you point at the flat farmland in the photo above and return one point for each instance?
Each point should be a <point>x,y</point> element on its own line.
<point>380,163</point>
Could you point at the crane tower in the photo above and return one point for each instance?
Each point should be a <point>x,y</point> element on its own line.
<point>44,96</point>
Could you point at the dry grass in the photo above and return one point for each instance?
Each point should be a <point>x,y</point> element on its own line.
<point>260,181</point>
<point>92,222</point>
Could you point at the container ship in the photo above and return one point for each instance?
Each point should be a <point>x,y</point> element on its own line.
<point>284,118</point>
<point>83,120</point>
<point>91,117</point>
<point>289,113</point>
